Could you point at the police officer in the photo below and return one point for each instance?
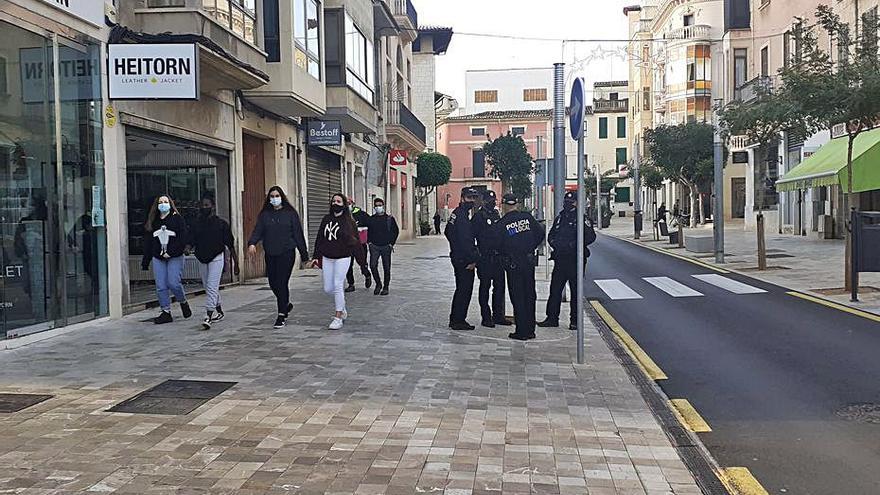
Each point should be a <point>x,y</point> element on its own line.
<point>520,235</point>
<point>464,256</point>
<point>563,242</point>
<point>489,269</point>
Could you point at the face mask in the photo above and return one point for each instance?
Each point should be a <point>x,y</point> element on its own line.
<point>275,201</point>
<point>379,210</point>
<point>569,205</point>
<point>490,205</point>
<point>205,212</point>
<point>164,207</point>
<point>467,204</point>
<point>336,209</point>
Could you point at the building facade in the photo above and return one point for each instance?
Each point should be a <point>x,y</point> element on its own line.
<point>508,90</point>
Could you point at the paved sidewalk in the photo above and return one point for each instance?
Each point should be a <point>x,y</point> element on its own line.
<point>394,403</point>
<point>801,263</point>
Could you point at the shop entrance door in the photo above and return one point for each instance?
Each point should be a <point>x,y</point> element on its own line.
<point>252,200</point>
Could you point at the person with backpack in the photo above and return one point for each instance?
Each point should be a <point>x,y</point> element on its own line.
<point>361,219</point>
<point>563,242</point>
<point>165,239</point>
<point>382,232</point>
<point>211,236</point>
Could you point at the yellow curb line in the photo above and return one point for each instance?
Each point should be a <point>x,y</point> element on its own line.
<point>688,416</point>
<point>739,481</point>
<point>834,305</point>
<point>674,255</point>
<point>648,366</point>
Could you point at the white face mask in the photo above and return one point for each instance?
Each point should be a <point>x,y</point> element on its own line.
<point>275,201</point>
<point>379,210</point>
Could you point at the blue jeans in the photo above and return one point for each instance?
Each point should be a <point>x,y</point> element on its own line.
<point>168,274</point>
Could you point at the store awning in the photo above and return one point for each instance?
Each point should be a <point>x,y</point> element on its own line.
<point>827,167</point>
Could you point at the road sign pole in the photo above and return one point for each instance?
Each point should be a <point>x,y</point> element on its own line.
<point>637,186</point>
<point>578,110</point>
<point>598,199</point>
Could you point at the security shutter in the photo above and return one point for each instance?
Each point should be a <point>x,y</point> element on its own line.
<point>323,179</point>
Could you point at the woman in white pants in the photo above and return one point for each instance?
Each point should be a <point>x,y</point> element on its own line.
<point>211,236</point>
<point>336,243</point>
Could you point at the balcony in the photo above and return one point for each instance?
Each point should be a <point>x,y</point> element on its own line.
<point>696,32</point>
<point>407,18</point>
<point>739,143</point>
<point>229,55</point>
<point>354,113</point>
<point>611,106</point>
<point>403,128</point>
<point>752,90</point>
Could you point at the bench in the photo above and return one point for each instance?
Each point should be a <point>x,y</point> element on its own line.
<point>699,243</point>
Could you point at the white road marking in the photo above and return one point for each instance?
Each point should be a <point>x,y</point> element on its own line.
<point>729,285</point>
<point>671,287</point>
<point>616,289</point>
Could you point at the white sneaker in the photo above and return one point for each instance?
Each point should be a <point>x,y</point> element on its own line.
<point>344,314</point>
<point>336,324</point>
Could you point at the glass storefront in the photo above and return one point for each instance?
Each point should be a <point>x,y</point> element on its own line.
<point>158,164</point>
<point>52,223</point>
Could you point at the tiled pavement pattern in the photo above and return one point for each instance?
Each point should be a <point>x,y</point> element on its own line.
<point>394,403</point>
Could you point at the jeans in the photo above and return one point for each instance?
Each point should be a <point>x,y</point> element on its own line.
<point>464,290</point>
<point>364,270</point>
<point>333,271</point>
<point>383,252</point>
<point>278,270</point>
<point>211,273</point>
<point>168,273</point>
<point>491,275</point>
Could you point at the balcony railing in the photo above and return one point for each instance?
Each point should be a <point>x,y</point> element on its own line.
<point>694,32</point>
<point>398,114</point>
<point>618,106</point>
<point>406,8</point>
<point>239,16</point>
<point>751,90</point>
<point>739,143</point>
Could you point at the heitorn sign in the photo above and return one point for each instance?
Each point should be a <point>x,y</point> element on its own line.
<point>153,71</point>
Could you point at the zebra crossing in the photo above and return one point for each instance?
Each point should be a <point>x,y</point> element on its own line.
<point>617,290</point>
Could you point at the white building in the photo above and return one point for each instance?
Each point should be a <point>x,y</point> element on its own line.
<point>508,89</point>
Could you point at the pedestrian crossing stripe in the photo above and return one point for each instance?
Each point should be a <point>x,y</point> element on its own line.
<point>728,284</point>
<point>671,287</point>
<point>617,290</point>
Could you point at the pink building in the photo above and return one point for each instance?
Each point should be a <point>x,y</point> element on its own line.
<point>462,138</point>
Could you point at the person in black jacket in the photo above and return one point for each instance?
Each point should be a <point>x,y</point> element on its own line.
<point>382,232</point>
<point>489,269</point>
<point>211,237</point>
<point>164,244</point>
<point>437,220</point>
<point>362,220</point>
<point>464,256</point>
<point>280,230</point>
<point>563,242</point>
<point>520,235</point>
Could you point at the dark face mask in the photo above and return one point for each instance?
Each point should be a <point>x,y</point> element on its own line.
<point>490,205</point>
<point>205,212</point>
<point>569,205</point>
<point>467,204</point>
<point>336,209</point>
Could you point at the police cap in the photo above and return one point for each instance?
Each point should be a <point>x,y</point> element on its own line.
<point>469,192</point>
<point>489,195</point>
<point>509,199</point>
<point>571,195</point>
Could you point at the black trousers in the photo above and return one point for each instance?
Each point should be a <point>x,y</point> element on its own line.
<point>521,283</point>
<point>278,270</point>
<point>464,290</point>
<point>437,228</point>
<point>383,252</point>
<point>491,275</point>
<point>563,273</point>
<point>350,275</point>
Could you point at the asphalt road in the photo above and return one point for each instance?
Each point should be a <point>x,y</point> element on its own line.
<point>770,373</point>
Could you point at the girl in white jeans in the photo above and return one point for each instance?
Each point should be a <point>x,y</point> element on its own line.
<point>336,243</point>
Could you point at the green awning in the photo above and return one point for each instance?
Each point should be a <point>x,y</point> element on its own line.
<point>827,167</point>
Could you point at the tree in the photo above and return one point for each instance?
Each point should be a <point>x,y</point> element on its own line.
<point>511,162</point>
<point>652,179</point>
<point>845,91</point>
<point>433,169</point>
<point>684,153</point>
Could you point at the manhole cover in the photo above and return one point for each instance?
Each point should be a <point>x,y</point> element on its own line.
<point>865,412</point>
<point>173,397</point>
<point>10,403</point>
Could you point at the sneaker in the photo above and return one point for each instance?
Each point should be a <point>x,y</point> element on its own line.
<point>289,309</point>
<point>344,314</point>
<point>461,325</point>
<point>164,317</point>
<point>219,315</point>
<point>377,290</point>
<point>548,323</point>
<point>384,291</point>
<point>488,323</point>
<point>184,308</point>
<point>279,322</point>
<point>349,288</point>
<point>336,324</point>
<point>504,322</point>
<point>206,324</point>
<point>368,280</point>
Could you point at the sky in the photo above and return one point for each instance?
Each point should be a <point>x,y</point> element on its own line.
<point>554,19</point>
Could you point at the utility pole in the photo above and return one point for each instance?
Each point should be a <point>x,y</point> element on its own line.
<point>577,116</point>
<point>637,185</point>
<point>558,137</point>
<point>598,199</point>
<point>718,217</point>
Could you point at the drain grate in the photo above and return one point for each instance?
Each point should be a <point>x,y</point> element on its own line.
<point>10,403</point>
<point>779,255</point>
<point>173,397</point>
<point>864,412</point>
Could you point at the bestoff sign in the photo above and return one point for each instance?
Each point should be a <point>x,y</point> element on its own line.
<point>325,133</point>
<point>91,11</point>
<point>153,71</point>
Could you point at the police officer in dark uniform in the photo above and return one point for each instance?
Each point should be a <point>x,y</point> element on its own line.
<point>464,256</point>
<point>520,234</point>
<point>563,242</point>
<point>489,269</point>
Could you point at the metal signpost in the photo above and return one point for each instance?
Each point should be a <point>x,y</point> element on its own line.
<point>637,185</point>
<point>577,107</point>
<point>558,137</point>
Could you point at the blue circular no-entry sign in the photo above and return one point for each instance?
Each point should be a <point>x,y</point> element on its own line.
<point>577,108</point>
